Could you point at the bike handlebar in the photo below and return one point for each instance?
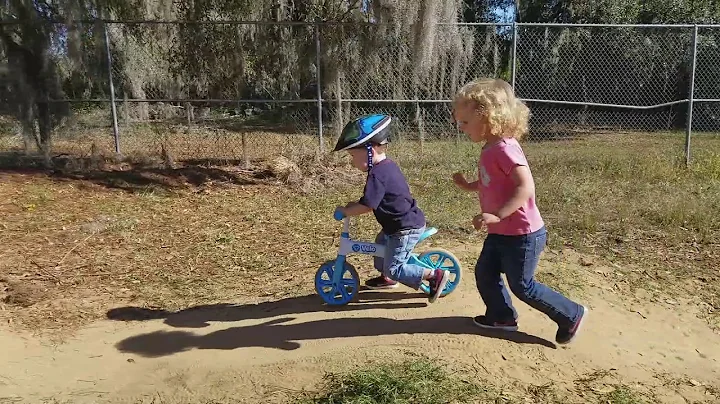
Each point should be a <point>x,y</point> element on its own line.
<point>338,215</point>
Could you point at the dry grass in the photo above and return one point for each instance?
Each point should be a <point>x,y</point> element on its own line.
<point>84,240</point>
<point>627,199</point>
<point>198,233</point>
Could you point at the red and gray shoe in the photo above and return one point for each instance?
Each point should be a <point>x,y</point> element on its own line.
<point>437,283</point>
<point>484,322</point>
<point>567,335</point>
<point>381,282</point>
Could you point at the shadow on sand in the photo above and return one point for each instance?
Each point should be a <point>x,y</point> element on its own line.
<point>283,333</point>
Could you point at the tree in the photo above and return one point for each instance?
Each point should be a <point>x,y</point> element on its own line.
<point>47,54</point>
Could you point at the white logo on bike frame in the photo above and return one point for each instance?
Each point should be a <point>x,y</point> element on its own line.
<point>364,248</point>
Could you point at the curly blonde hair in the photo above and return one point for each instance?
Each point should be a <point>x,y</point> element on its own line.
<point>507,115</point>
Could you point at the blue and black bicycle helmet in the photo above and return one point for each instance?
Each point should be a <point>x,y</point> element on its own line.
<point>363,132</point>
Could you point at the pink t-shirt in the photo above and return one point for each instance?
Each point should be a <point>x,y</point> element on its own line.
<point>496,187</point>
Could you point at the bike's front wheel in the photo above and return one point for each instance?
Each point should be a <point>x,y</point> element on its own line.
<point>341,294</point>
<point>439,258</point>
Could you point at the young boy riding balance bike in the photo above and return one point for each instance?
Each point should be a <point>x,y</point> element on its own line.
<point>387,195</point>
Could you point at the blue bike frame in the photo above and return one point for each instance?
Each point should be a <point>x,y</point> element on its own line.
<point>349,246</point>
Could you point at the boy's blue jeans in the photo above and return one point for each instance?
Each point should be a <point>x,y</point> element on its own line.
<point>517,257</point>
<point>398,247</point>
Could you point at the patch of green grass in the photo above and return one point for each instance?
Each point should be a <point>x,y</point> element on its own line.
<point>421,381</point>
<point>622,395</point>
<point>412,381</point>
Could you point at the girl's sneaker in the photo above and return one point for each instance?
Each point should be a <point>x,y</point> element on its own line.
<point>381,282</point>
<point>483,322</point>
<point>437,283</point>
<point>566,336</point>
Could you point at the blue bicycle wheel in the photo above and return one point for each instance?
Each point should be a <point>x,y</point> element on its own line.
<point>442,259</point>
<point>337,295</point>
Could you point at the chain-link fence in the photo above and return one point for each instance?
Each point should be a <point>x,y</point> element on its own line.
<point>246,90</point>
<point>706,105</point>
<point>588,79</point>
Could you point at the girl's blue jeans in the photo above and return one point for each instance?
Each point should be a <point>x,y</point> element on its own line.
<point>517,257</point>
<point>398,247</point>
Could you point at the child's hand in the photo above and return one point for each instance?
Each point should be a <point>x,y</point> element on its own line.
<point>460,180</point>
<point>484,219</point>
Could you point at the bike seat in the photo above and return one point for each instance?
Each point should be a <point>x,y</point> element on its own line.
<point>428,232</point>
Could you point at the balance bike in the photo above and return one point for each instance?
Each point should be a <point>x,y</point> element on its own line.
<point>339,287</point>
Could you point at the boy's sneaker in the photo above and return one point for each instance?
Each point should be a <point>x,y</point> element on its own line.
<point>437,283</point>
<point>566,336</point>
<point>381,282</point>
<point>484,322</point>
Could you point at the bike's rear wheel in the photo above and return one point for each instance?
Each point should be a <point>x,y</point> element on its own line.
<point>439,258</point>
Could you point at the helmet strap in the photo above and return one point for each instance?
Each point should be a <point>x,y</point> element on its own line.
<point>368,146</point>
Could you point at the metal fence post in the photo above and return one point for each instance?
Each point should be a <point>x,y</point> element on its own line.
<point>319,87</point>
<point>116,131</point>
<point>514,55</point>
<point>691,97</point>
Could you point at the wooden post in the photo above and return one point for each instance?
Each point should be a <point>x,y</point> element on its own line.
<point>421,130</point>
<point>126,110</point>
<point>189,113</point>
<point>338,107</point>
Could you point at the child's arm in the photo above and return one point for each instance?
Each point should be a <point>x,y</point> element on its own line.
<point>524,190</point>
<point>461,182</point>
<point>355,209</point>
